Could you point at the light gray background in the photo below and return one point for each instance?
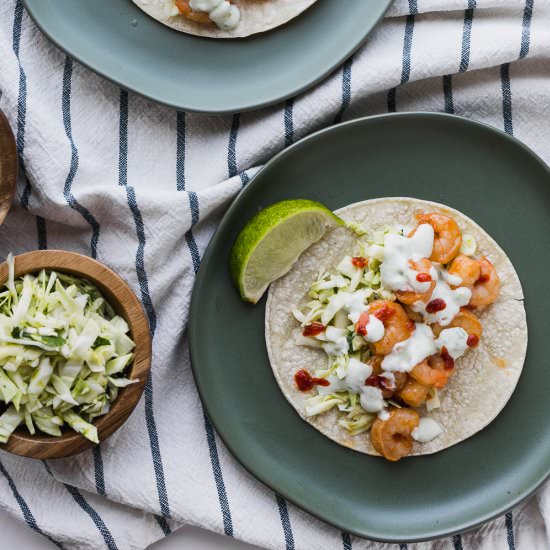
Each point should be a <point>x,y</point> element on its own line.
<point>16,535</point>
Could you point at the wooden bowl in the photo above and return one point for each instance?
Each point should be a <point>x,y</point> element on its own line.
<point>8,167</point>
<point>125,304</point>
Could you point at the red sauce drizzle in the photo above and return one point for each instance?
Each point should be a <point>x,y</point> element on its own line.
<point>448,361</point>
<point>423,277</point>
<point>384,313</point>
<point>473,340</point>
<point>360,262</point>
<point>313,329</point>
<point>305,381</point>
<point>378,381</point>
<point>483,278</point>
<point>437,304</point>
<point>361,325</point>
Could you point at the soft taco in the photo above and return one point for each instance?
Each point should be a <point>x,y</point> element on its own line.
<point>223,18</point>
<point>402,337</point>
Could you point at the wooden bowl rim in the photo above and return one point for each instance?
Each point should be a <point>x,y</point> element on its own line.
<point>8,163</point>
<point>126,304</point>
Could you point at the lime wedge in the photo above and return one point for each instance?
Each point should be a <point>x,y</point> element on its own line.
<point>273,240</point>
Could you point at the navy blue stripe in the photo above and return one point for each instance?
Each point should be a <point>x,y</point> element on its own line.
<point>289,122</point>
<point>67,190</point>
<point>403,547</point>
<point>140,258</point>
<point>407,49</point>
<point>448,94</point>
<point>285,520</point>
<point>526,29</point>
<point>218,476</point>
<point>98,522</point>
<point>48,469</point>
<point>132,203</point>
<point>196,259</point>
<point>180,151</point>
<point>464,57</point>
<point>194,205</point>
<point>22,98</point>
<point>457,542</point>
<point>163,524</point>
<point>189,238</point>
<point>510,531</point>
<point>99,473</point>
<point>22,118</point>
<point>391,100</point>
<point>180,186</point>
<point>180,168</point>
<point>24,507</point>
<point>346,541</point>
<point>466,36</point>
<point>193,250</point>
<point>232,149</point>
<point>346,90</point>
<point>146,299</point>
<point>506,98</point>
<point>41,230</point>
<point>244,178</point>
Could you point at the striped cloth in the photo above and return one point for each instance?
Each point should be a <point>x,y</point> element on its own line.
<point>142,187</point>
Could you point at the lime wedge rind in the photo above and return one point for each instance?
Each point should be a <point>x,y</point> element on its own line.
<point>273,240</point>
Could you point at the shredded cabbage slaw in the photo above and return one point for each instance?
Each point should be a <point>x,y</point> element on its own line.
<point>63,354</point>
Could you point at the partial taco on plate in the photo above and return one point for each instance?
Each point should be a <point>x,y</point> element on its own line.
<point>400,334</point>
<point>223,18</point>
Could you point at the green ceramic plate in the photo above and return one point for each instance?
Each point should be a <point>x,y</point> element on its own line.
<point>480,171</point>
<point>119,41</point>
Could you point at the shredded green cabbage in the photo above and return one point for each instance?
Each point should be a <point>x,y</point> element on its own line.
<point>329,294</point>
<point>63,353</point>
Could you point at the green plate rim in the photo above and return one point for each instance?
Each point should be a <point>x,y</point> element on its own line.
<point>194,338</point>
<point>355,45</point>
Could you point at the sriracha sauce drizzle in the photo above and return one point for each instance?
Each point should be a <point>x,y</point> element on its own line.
<point>384,313</point>
<point>360,262</point>
<point>361,325</point>
<point>313,329</point>
<point>447,359</point>
<point>437,304</point>
<point>378,381</point>
<point>424,278</point>
<point>306,382</point>
<point>473,341</point>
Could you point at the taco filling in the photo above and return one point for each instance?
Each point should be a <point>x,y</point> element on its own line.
<point>222,13</point>
<point>394,318</point>
<point>223,18</point>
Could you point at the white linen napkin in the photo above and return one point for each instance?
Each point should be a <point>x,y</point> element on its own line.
<point>142,187</point>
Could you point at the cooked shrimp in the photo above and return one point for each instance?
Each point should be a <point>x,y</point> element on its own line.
<point>432,372</point>
<point>414,316</point>
<point>466,268</point>
<point>186,10</point>
<point>423,267</point>
<point>392,438</point>
<point>414,393</point>
<point>469,322</point>
<point>376,364</point>
<point>397,325</point>
<point>448,238</point>
<point>487,287</point>
<point>400,380</point>
<point>387,386</point>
